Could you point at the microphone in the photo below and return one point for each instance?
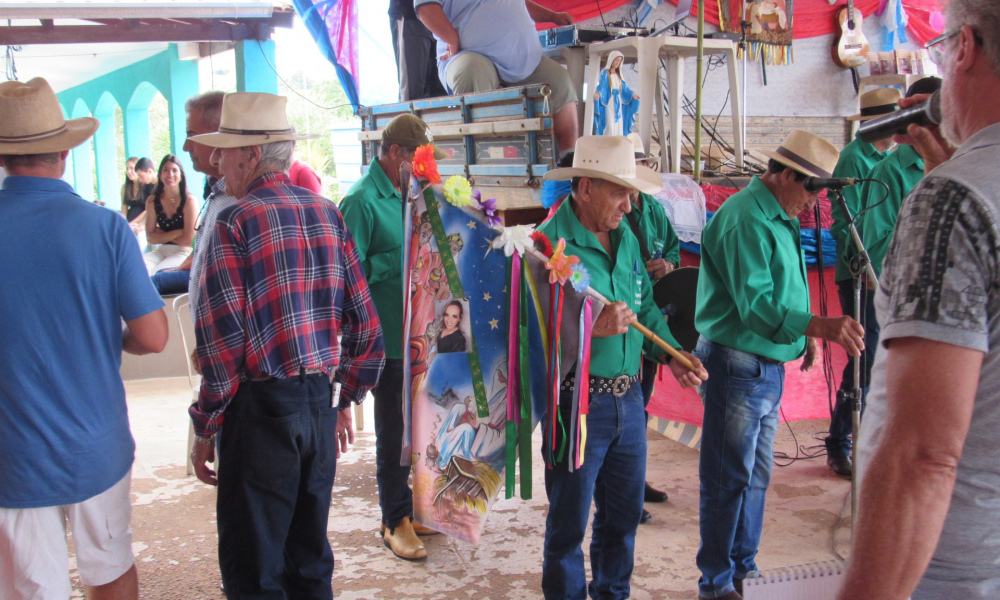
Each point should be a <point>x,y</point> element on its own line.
<point>816,184</point>
<point>924,114</point>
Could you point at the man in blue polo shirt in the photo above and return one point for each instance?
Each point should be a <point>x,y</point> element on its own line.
<point>72,273</point>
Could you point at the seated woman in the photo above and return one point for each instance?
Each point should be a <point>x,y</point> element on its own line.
<point>451,338</point>
<point>170,218</point>
<point>140,183</point>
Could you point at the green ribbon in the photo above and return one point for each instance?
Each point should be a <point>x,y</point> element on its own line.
<point>455,285</point>
<point>524,431</point>
<point>510,429</point>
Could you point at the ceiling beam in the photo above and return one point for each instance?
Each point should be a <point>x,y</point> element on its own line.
<point>123,31</point>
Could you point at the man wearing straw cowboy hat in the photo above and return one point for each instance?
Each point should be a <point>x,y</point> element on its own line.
<point>754,316</point>
<point>372,211</point>
<point>856,161</point>
<point>66,450</point>
<point>614,469</point>
<point>282,281</point>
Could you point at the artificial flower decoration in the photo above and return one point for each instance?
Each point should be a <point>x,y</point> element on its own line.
<point>514,239</point>
<point>458,191</point>
<point>542,243</point>
<point>560,264</point>
<point>425,168</point>
<point>489,207</point>
<point>580,279</point>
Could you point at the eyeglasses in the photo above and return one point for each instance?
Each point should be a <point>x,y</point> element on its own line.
<point>936,51</point>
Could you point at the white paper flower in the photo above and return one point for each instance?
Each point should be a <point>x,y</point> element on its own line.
<point>514,239</point>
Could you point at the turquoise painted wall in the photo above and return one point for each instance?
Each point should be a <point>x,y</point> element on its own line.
<point>253,67</point>
<point>132,88</point>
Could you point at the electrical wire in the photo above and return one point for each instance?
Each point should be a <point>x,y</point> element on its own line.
<point>295,91</point>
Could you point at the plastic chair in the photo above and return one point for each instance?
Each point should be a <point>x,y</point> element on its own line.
<point>182,304</point>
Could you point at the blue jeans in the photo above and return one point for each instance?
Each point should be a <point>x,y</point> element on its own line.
<point>171,282</point>
<point>742,397</point>
<point>838,443</point>
<point>394,495</point>
<point>613,475</point>
<point>278,452</point>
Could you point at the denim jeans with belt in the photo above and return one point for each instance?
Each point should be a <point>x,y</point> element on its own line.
<point>742,397</point>
<point>838,443</point>
<point>613,475</point>
<point>394,495</point>
<point>278,451</point>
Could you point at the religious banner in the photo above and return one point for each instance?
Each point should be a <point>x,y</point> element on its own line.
<point>768,26</point>
<point>484,311</point>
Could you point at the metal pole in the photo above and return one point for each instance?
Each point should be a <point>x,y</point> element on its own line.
<point>699,81</point>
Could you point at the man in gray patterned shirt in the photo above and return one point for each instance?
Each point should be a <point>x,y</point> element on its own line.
<point>929,450</point>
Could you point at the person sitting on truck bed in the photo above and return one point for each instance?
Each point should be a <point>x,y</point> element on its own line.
<point>487,44</point>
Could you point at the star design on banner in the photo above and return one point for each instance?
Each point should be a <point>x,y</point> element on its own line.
<point>494,324</point>
<point>471,224</point>
<point>486,296</point>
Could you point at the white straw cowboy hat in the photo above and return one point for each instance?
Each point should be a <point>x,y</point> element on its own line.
<point>32,122</point>
<point>611,158</point>
<point>877,103</point>
<point>806,153</point>
<point>251,119</point>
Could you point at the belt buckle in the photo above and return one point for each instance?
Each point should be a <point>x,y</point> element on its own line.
<point>620,385</point>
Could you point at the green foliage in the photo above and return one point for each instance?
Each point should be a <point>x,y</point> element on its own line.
<point>159,129</point>
<point>306,117</point>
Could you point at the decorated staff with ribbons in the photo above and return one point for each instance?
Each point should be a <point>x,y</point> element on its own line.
<point>614,466</point>
<point>754,316</point>
<point>660,249</point>
<point>856,160</point>
<point>373,212</point>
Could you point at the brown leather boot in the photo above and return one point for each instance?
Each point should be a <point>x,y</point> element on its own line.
<point>423,529</point>
<point>403,542</point>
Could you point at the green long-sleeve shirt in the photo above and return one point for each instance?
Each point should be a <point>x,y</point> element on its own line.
<point>661,239</point>
<point>902,170</point>
<point>753,294</point>
<point>857,160</point>
<point>619,276</point>
<point>373,213</point>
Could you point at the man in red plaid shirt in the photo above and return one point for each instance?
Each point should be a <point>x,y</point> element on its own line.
<point>282,281</point>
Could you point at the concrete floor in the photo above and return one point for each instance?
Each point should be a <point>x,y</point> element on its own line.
<point>176,547</point>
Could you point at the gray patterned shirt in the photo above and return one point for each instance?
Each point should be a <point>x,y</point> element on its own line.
<point>941,281</point>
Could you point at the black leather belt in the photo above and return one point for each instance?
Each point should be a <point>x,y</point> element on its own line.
<point>302,373</point>
<point>601,385</point>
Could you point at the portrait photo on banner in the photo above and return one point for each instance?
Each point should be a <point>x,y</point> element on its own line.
<point>453,325</point>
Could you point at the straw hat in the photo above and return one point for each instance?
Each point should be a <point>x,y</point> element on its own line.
<point>31,120</point>
<point>611,158</point>
<point>877,103</point>
<point>251,119</point>
<point>806,153</point>
<point>640,150</point>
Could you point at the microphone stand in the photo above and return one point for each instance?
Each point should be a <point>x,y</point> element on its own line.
<point>861,266</point>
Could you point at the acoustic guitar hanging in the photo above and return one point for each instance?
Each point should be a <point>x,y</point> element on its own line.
<point>851,48</point>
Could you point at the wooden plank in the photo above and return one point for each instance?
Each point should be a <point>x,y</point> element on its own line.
<point>90,34</point>
<point>495,128</point>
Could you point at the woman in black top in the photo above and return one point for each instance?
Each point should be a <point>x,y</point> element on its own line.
<point>451,338</point>
<point>140,183</point>
<point>170,218</point>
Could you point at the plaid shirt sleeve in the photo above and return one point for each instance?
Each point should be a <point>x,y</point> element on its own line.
<point>362,353</point>
<point>220,327</point>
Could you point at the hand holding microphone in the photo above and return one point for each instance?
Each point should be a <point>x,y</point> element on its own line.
<point>928,142</point>
<point>913,124</point>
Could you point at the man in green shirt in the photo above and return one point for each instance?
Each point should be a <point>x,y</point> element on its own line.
<point>660,250</point>
<point>754,316</point>
<point>373,212</point>
<point>614,468</point>
<point>856,161</point>
<point>901,171</point>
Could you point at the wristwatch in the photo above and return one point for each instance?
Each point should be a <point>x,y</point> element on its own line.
<point>206,441</point>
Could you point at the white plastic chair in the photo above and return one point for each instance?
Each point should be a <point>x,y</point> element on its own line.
<point>182,304</point>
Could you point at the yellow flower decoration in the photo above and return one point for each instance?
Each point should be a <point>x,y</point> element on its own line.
<point>458,191</point>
